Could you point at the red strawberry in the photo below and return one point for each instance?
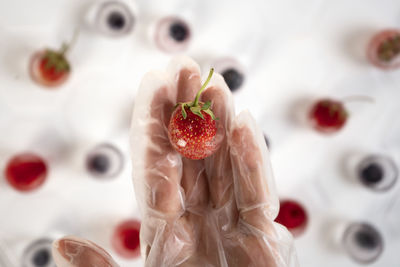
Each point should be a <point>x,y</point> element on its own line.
<point>26,171</point>
<point>292,215</point>
<point>54,66</point>
<point>384,49</point>
<point>192,129</point>
<point>51,67</point>
<point>328,115</point>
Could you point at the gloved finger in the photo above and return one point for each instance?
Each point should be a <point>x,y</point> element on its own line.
<point>72,251</point>
<point>273,248</point>
<point>156,165</point>
<point>193,180</point>
<point>253,180</point>
<point>188,80</point>
<point>173,244</point>
<point>264,241</point>
<point>218,166</point>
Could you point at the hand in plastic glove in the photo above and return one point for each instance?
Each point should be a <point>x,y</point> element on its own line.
<point>213,212</point>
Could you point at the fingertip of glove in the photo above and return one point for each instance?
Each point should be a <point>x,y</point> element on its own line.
<point>74,251</point>
<point>181,62</point>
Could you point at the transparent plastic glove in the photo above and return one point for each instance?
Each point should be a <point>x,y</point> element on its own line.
<point>213,212</point>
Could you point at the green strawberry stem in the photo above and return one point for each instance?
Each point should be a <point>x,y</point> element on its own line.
<point>64,49</point>
<point>57,59</point>
<point>358,98</point>
<point>196,100</point>
<point>66,46</point>
<point>194,106</point>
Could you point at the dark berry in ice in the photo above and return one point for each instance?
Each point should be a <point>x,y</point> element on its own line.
<point>371,174</point>
<point>233,78</point>
<point>178,32</point>
<point>41,258</point>
<point>99,163</point>
<point>366,239</point>
<point>116,20</point>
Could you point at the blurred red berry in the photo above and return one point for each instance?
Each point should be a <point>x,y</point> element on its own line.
<point>328,115</point>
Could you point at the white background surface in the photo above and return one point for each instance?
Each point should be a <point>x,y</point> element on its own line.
<point>294,52</point>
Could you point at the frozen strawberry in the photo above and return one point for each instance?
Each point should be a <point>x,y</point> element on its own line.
<point>126,239</point>
<point>293,215</point>
<point>50,67</point>
<point>192,128</point>
<point>54,66</point>
<point>384,49</point>
<point>26,172</point>
<point>328,115</point>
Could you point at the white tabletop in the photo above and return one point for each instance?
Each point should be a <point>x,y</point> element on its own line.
<point>293,52</point>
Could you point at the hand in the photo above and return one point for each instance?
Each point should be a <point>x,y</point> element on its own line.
<point>213,212</point>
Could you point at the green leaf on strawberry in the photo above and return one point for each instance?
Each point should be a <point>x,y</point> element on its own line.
<point>184,114</point>
<point>197,107</point>
<point>389,49</point>
<point>206,105</point>
<point>209,112</point>
<point>57,60</point>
